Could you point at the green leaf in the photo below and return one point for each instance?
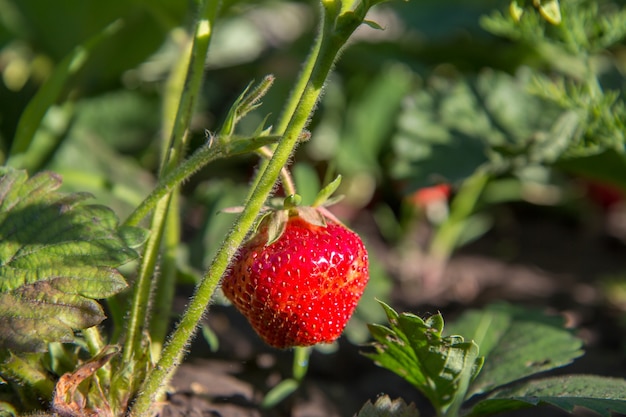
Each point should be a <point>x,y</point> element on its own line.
<point>598,394</point>
<point>516,343</point>
<point>440,367</point>
<point>56,256</point>
<point>385,407</point>
<point>50,92</point>
<point>453,127</point>
<point>607,167</point>
<point>281,391</point>
<point>247,101</point>
<point>27,372</point>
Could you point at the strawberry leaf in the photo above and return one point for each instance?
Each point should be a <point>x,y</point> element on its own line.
<point>57,256</point>
<point>516,343</point>
<point>385,407</point>
<point>598,394</point>
<point>440,367</point>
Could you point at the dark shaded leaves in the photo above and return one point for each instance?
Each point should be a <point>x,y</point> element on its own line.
<point>56,256</point>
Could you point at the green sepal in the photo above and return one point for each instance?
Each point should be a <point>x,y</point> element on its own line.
<point>292,201</point>
<point>325,193</point>
<point>276,224</point>
<point>312,216</point>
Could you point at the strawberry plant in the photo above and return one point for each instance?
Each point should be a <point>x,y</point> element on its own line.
<point>61,255</point>
<point>481,366</point>
<point>100,184</point>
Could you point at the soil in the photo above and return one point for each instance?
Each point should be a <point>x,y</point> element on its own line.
<point>530,257</point>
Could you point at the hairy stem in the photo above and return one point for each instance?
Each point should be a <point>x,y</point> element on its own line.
<point>201,157</point>
<point>293,100</point>
<point>164,292</point>
<point>141,296</point>
<point>288,184</point>
<point>172,355</point>
<point>172,154</point>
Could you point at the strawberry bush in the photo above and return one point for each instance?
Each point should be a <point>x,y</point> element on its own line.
<point>236,148</point>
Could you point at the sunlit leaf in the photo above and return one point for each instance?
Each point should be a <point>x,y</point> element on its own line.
<point>440,367</point>
<point>516,343</point>
<point>57,255</point>
<point>385,407</point>
<point>601,395</point>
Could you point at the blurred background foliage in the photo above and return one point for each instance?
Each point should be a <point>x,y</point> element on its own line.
<point>449,90</point>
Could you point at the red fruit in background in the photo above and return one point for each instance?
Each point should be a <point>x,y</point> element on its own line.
<point>302,288</point>
<point>604,195</point>
<point>426,196</point>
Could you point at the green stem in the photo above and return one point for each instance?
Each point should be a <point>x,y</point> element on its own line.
<point>164,293</point>
<point>174,148</point>
<point>172,154</point>
<point>203,156</point>
<point>293,100</point>
<point>299,87</point>
<point>141,295</point>
<point>463,205</point>
<point>160,376</point>
<point>95,345</point>
<point>288,184</point>
<point>300,365</point>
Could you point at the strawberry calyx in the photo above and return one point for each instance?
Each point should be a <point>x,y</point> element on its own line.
<point>275,220</point>
<point>276,215</point>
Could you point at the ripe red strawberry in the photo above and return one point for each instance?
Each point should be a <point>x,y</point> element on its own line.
<point>301,288</point>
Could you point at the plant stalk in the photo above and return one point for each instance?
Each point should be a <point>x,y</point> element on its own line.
<point>293,100</point>
<point>141,295</point>
<point>160,376</point>
<point>463,205</point>
<point>287,180</point>
<point>201,157</point>
<point>164,292</point>
<point>172,154</point>
<point>95,345</point>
